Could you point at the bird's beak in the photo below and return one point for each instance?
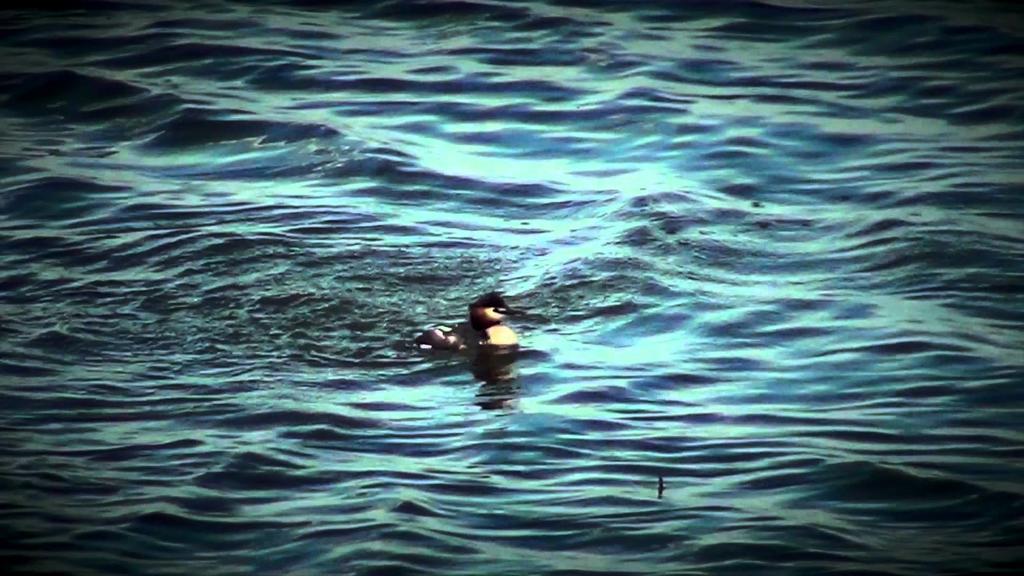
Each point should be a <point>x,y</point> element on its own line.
<point>508,311</point>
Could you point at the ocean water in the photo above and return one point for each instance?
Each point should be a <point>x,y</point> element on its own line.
<point>772,252</point>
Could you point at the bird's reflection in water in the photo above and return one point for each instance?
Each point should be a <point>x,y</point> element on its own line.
<point>497,370</point>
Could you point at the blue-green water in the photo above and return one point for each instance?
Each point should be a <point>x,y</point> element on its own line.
<point>772,252</point>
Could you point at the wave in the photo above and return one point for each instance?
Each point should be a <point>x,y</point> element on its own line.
<point>197,127</point>
<point>768,254</point>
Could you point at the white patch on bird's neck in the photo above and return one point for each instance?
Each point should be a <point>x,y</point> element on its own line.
<point>500,335</point>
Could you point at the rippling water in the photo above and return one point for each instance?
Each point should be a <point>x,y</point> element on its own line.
<point>772,252</point>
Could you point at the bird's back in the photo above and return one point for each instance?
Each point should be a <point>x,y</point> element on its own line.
<point>446,338</point>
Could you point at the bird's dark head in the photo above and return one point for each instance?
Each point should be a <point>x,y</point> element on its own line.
<point>489,310</point>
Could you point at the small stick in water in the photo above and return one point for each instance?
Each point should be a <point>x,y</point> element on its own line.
<point>661,486</point>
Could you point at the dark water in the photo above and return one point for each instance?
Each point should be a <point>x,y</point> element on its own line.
<point>773,252</point>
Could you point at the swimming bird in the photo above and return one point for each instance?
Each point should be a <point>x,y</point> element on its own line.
<point>484,328</point>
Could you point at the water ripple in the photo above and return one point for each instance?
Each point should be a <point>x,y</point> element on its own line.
<point>771,255</point>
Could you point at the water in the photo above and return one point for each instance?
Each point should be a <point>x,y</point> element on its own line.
<point>772,253</point>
